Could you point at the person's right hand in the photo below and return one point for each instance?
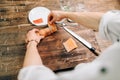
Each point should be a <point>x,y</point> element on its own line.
<point>56,16</point>
<point>33,35</point>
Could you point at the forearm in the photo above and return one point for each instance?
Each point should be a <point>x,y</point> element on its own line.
<point>87,19</point>
<point>32,56</point>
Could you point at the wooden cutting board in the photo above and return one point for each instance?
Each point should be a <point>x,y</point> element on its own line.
<point>51,49</point>
<point>56,57</point>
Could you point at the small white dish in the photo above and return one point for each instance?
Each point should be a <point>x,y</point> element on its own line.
<point>39,16</point>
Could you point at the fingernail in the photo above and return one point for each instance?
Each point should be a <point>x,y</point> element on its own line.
<point>50,22</point>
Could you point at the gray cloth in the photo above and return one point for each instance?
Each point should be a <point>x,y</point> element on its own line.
<point>105,67</point>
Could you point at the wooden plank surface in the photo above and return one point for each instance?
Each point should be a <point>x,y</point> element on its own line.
<point>14,12</point>
<point>55,52</point>
<point>51,49</point>
<point>14,24</point>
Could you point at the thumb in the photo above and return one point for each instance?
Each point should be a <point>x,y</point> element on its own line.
<point>41,37</point>
<point>52,21</point>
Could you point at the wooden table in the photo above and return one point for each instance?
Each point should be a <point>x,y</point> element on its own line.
<point>14,25</point>
<point>51,49</point>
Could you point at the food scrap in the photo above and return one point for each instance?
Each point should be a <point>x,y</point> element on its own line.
<point>70,44</point>
<point>52,27</point>
<point>49,30</point>
<point>38,21</point>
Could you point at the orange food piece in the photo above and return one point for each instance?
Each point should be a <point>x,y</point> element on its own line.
<point>44,32</point>
<point>70,44</point>
<point>49,30</point>
<point>38,21</point>
<point>52,27</point>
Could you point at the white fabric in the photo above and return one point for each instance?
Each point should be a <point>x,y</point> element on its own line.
<point>110,26</point>
<point>105,67</point>
<point>108,60</point>
<point>36,73</point>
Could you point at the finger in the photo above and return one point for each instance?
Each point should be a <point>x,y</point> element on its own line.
<point>42,37</point>
<point>53,20</point>
<point>50,17</point>
<point>35,30</point>
<point>26,40</point>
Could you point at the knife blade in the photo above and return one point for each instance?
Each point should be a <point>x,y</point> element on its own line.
<point>82,40</point>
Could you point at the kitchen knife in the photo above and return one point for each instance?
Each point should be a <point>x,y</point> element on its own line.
<point>82,40</point>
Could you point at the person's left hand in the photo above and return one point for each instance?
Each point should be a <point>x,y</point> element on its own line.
<point>33,35</point>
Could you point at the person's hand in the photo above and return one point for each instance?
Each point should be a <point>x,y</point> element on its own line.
<point>56,16</point>
<point>33,35</point>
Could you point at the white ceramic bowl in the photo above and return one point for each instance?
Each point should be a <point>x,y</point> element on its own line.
<point>39,16</point>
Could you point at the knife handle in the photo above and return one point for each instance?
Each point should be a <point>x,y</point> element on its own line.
<point>96,52</point>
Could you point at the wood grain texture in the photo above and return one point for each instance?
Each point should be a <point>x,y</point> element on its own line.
<point>14,25</point>
<point>55,52</point>
<point>51,49</point>
<point>16,12</point>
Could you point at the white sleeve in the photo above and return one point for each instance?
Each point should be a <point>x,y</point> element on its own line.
<point>89,71</point>
<point>36,73</point>
<point>110,26</point>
